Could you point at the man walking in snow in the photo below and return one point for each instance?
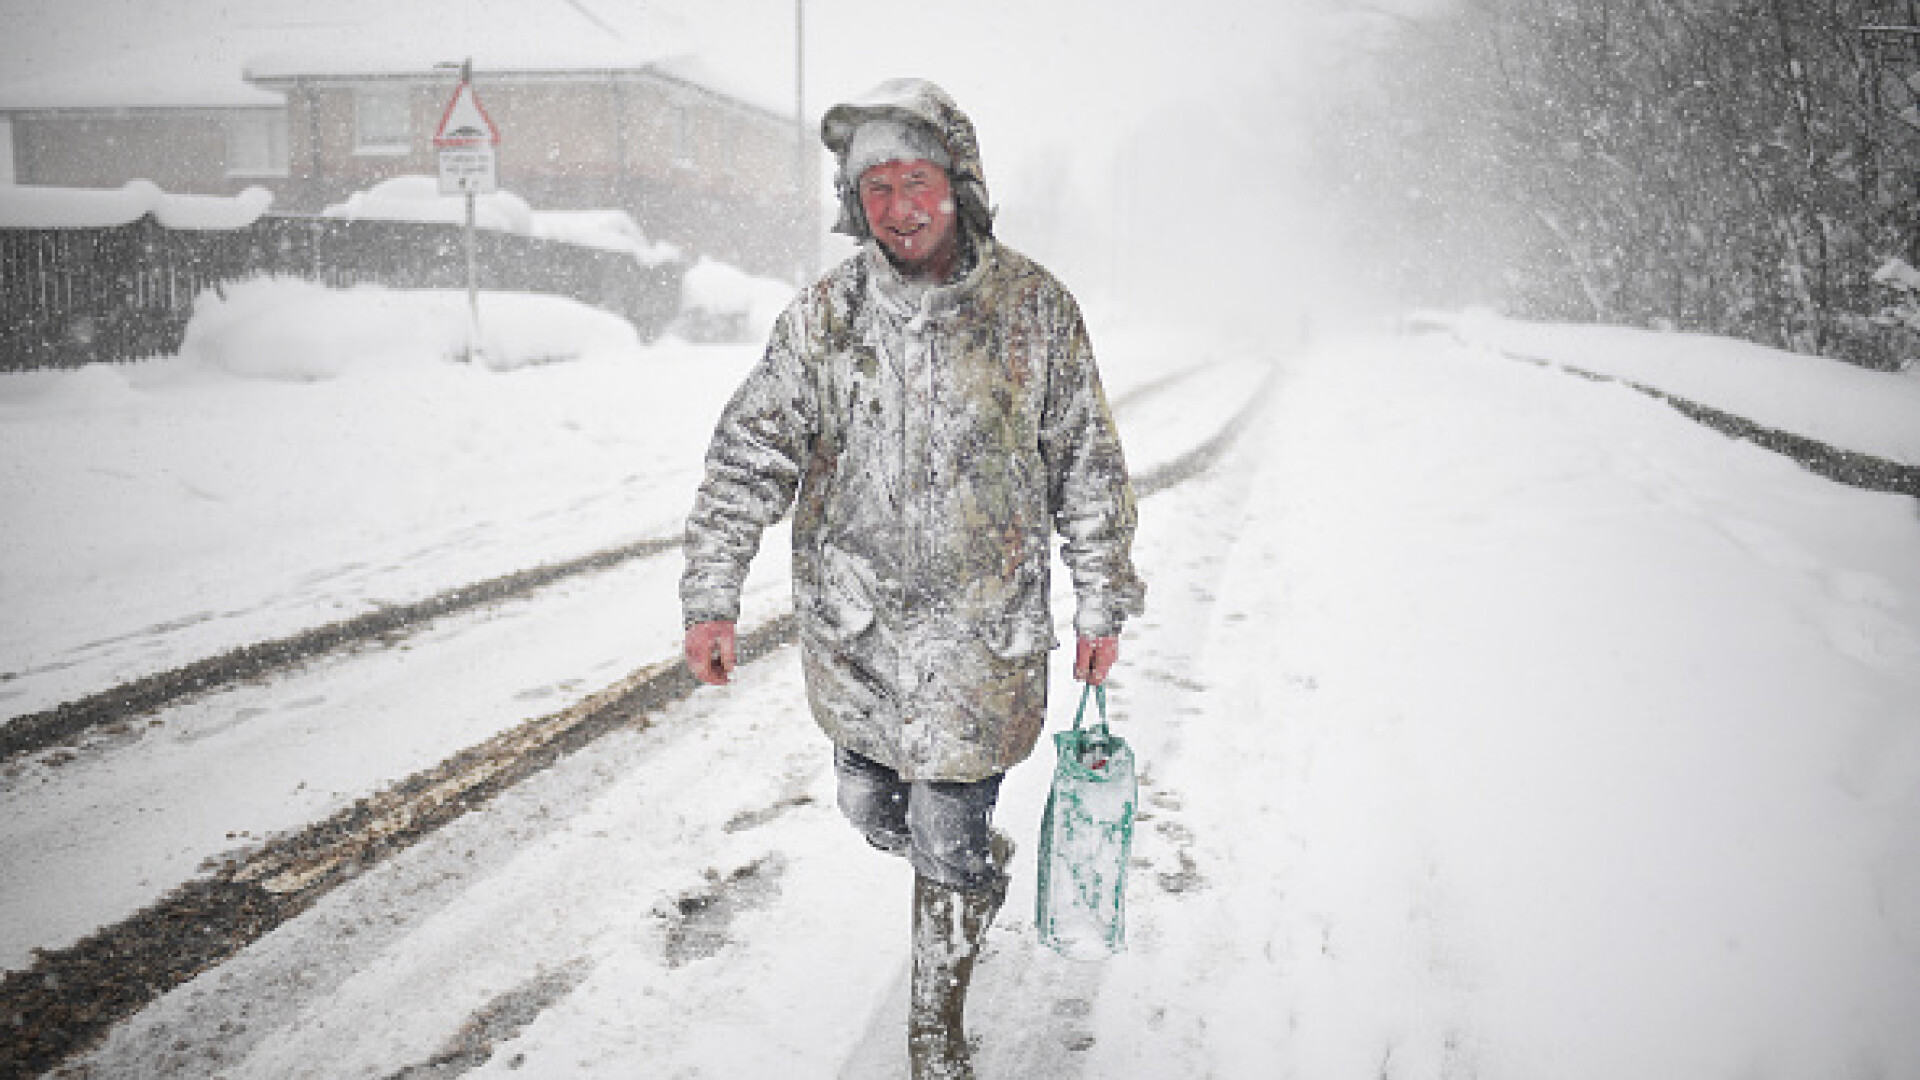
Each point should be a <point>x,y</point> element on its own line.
<point>931,411</point>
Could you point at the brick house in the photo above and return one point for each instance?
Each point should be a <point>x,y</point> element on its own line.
<point>694,166</point>
<point>692,163</point>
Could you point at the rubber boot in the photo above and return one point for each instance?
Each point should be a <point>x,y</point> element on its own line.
<point>949,926</point>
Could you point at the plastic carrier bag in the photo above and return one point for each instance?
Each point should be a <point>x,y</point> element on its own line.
<point>1085,837</point>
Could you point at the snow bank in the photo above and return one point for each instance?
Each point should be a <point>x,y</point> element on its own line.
<point>723,301</point>
<point>418,198</point>
<point>225,495</point>
<point>609,230</point>
<point>63,390</point>
<point>213,211</point>
<point>294,330</point>
<point>27,207</point>
<point>1840,404</point>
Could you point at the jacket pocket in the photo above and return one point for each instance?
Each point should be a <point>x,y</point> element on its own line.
<point>1012,616</point>
<point>843,599</point>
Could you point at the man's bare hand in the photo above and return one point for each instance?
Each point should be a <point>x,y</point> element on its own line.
<point>1094,657</point>
<point>711,652</point>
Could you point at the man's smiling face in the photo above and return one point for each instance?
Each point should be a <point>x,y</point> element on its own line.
<point>909,207</point>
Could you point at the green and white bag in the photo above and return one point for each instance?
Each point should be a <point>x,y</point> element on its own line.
<point>1085,837</point>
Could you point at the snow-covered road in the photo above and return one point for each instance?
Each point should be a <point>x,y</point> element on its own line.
<point>1495,723</point>
<point>130,816</point>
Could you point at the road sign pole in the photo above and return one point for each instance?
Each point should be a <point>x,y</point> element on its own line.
<point>473,288</point>
<point>466,140</point>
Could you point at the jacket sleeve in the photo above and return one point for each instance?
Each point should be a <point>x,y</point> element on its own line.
<point>1090,494</point>
<point>759,449</point>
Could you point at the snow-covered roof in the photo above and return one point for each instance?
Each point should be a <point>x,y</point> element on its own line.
<point>134,77</point>
<point>279,72</point>
<point>131,53</point>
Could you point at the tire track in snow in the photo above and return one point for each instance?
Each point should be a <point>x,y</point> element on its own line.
<point>381,628</point>
<point>72,996</point>
<point>1203,457</point>
<point>115,708</point>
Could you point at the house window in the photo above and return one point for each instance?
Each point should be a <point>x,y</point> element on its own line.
<point>382,120</point>
<point>257,144</point>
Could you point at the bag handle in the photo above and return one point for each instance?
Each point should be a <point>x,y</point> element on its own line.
<point>1100,695</point>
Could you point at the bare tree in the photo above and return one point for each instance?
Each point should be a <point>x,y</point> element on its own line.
<point>1734,166</point>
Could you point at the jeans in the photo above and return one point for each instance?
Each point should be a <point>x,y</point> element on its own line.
<point>944,829</point>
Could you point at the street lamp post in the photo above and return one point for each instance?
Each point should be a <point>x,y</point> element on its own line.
<point>804,255</point>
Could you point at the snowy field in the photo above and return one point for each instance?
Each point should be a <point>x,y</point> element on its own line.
<point>1496,723</point>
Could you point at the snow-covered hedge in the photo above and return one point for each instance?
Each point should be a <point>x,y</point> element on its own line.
<point>31,207</point>
<point>720,302</point>
<point>418,198</point>
<point>609,230</point>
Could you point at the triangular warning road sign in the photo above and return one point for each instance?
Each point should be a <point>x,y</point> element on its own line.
<point>465,124</point>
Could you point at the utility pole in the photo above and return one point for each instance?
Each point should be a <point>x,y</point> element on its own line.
<point>805,258</point>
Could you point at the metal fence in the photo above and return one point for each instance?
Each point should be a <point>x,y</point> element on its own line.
<point>72,296</point>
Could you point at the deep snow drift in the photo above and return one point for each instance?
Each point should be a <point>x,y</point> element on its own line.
<point>1495,723</point>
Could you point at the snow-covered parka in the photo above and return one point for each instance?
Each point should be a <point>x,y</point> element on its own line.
<point>929,443</point>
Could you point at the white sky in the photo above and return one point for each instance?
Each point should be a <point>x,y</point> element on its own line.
<point>1060,89</point>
